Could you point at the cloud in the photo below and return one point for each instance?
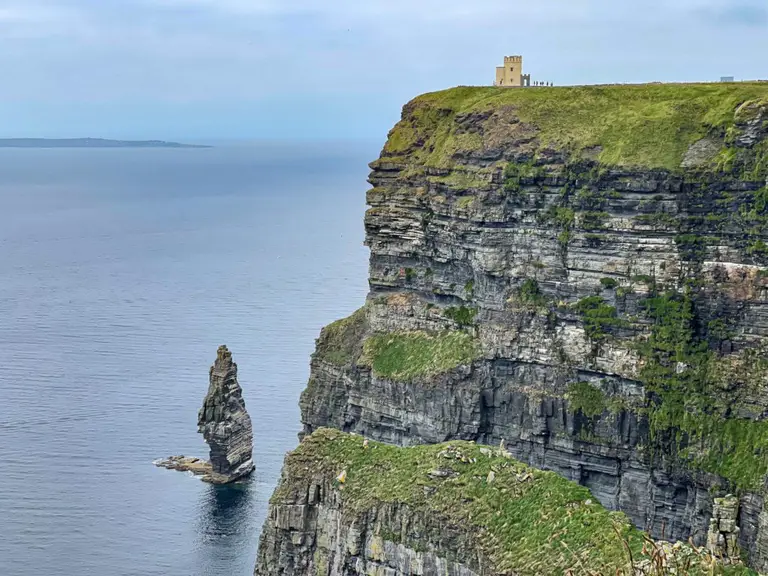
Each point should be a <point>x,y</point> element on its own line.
<point>748,15</point>
<point>41,21</point>
<point>384,51</point>
<point>405,12</point>
<point>24,13</point>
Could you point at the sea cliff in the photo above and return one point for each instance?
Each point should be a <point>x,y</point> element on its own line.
<point>580,274</point>
<point>345,505</point>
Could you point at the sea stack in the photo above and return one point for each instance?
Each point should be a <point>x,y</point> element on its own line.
<point>224,422</point>
<point>225,425</point>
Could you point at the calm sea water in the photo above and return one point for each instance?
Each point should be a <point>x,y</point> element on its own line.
<point>121,271</point>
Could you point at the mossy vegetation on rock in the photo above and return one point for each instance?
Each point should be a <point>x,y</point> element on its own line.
<point>598,316</point>
<point>515,519</point>
<point>340,342</point>
<point>587,399</point>
<point>462,315</point>
<point>688,409</point>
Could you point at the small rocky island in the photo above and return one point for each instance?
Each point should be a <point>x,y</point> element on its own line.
<point>226,427</point>
<point>90,143</point>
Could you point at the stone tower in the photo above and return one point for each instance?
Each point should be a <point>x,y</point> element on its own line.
<point>511,74</point>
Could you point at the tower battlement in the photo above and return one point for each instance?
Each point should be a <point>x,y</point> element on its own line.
<point>511,74</point>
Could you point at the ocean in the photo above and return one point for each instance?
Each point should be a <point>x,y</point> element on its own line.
<point>121,272</point>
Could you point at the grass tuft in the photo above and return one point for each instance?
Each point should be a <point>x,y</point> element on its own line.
<point>588,399</point>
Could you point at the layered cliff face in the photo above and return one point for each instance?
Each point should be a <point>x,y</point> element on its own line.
<point>346,506</point>
<point>224,422</point>
<point>582,274</point>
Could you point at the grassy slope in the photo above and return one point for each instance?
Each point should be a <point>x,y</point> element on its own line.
<point>525,521</point>
<point>408,355</point>
<point>650,125</point>
<point>339,342</point>
<point>401,356</point>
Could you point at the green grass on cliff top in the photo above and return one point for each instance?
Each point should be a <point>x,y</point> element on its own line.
<point>649,125</point>
<point>524,521</point>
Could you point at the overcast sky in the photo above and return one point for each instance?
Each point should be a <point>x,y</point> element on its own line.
<point>289,69</point>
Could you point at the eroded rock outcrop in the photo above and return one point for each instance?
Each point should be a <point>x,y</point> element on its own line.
<point>226,426</point>
<point>723,535</point>
<point>345,506</point>
<point>592,289</point>
<point>224,422</point>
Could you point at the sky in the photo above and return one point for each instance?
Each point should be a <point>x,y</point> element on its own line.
<point>333,69</point>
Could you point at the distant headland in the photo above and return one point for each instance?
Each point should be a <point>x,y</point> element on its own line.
<point>90,143</point>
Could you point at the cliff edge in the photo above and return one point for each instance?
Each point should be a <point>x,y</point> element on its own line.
<point>581,273</point>
<point>348,506</point>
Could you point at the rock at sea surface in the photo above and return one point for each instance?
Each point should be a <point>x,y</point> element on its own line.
<point>225,425</point>
<point>196,466</point>
<point>224,422</point>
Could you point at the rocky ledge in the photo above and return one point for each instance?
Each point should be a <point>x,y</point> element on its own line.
<point>581,273</point>
<point>225,425</point>
<point>191,464</point>
<point>348,506</point>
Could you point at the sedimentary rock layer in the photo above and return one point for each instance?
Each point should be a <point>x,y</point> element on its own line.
<point>224,422</point>
<point>583,274</point>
